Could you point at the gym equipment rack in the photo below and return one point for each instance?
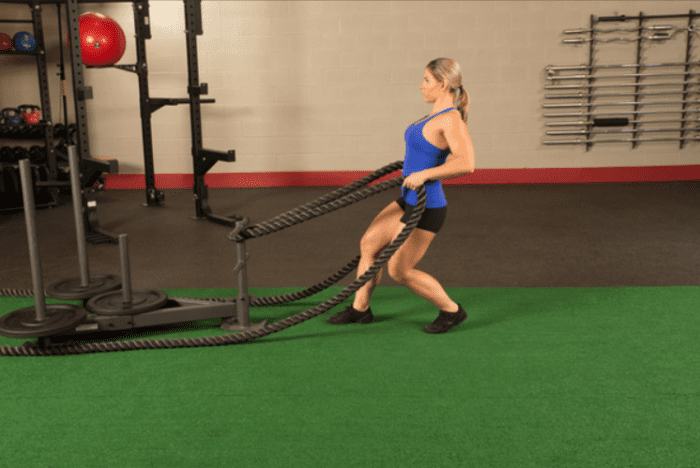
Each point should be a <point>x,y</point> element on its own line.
<point>587,72</point>
<point>91,168</point>
<point>42,131</point>
<point>203,159</point>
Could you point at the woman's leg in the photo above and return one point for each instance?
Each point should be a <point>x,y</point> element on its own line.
<point>379,234</point>
<point>401,269</point>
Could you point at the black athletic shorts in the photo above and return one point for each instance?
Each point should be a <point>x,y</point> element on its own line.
<point>431,220</point>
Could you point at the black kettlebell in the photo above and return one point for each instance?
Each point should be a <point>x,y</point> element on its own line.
<point>59,130</point>
<point>7,156</point>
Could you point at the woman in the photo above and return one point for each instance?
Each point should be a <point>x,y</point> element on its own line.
<point>437,147</point>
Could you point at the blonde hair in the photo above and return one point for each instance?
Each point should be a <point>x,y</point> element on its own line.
<point>444,69</point>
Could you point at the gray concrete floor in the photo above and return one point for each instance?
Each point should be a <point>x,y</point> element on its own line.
<point>541,235</point>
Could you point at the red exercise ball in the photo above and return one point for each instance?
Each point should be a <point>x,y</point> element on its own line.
<point>102,40</point>
<point>5,42</point>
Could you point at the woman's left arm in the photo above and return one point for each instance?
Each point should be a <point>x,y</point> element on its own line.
<point>459,162</point>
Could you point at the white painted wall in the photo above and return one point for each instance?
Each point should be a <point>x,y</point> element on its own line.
<point>332,85</point>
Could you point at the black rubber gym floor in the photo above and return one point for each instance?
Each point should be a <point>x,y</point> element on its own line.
<point>540,235</point>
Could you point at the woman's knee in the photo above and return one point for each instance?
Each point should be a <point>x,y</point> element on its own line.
<point>371,245</point>
<point>397,272</point>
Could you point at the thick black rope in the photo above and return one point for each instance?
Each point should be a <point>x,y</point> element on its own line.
<point>260,301</point>
<point>323,205</point>
<point>239,337</point>
<point>17,292</point>
<point>379,173</point>
<point>295,296</point>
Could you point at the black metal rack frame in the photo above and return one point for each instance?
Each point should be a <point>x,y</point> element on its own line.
<point>590,121</point>
<point>641,18</point>
<point>91,168</point>
<point>203,159</point>
<point>46,124</point>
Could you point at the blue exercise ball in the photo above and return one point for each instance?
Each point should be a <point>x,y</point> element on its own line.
<point>24,42</point>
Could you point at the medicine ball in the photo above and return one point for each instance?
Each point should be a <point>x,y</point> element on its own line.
<point>24,42</point>
<point>5,42</point>
<point>102,40</point>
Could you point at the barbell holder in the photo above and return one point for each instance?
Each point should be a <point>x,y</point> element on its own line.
<point>570,124</point>
<point>605,67</point>
<point>630,140</point>
<point>585,114</point>
<point>630,75</point>
<point>607,104</point>
<point>625,85</point>
<point>648,28</point>
<point>636,130</point>
<point>584,96</point>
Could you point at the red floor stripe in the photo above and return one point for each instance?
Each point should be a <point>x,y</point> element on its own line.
<point>479,177</point>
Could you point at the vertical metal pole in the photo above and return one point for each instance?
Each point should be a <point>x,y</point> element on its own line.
<point>193,28</point>
<point>589,121</point>
<point>62,69</point>
<point>45,97</point>
<point>143,31</point>
<point>639,71</point>
<point>242,302</point>
<point>76,191</point>
<point>33,239</point>
<point>125,269</point>
<point>688,55</point>
<point>80,92</point>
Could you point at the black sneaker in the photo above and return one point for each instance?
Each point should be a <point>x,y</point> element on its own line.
<point>446,320</point>
<point>350,315</point>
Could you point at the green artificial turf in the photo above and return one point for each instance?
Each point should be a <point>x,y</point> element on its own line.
<point>565,377</point>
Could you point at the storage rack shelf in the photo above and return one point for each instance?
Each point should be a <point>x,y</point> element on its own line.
<point>682,86</point>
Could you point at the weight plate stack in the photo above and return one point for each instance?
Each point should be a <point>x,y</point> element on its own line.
<point>112,303</point>
<point>71,289</point>
<point>23,323</point>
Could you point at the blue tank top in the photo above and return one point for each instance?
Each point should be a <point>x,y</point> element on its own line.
<point>420,155</point>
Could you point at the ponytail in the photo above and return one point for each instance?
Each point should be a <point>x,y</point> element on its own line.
<point>462,98</point>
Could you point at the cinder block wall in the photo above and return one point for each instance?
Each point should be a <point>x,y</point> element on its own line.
<point>332,85</point>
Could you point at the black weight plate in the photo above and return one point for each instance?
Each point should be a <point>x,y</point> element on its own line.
<point>60,318</point>
<point>43,193</point>
<point>71,289</point>
<point>35,177</point>
<point>20,153</point>
<point>111,303</point>
<point>7,156</point>
<point>4,188</point>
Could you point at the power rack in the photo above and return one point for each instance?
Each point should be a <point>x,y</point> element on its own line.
<point>203,159</point>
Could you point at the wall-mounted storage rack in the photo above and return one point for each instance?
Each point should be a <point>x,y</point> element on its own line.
<point>666,93</point>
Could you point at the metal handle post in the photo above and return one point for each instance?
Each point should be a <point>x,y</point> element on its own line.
<point>78,215</point>
<point>242,303</point>
<point>125,269</point>
<point>33,239</point>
